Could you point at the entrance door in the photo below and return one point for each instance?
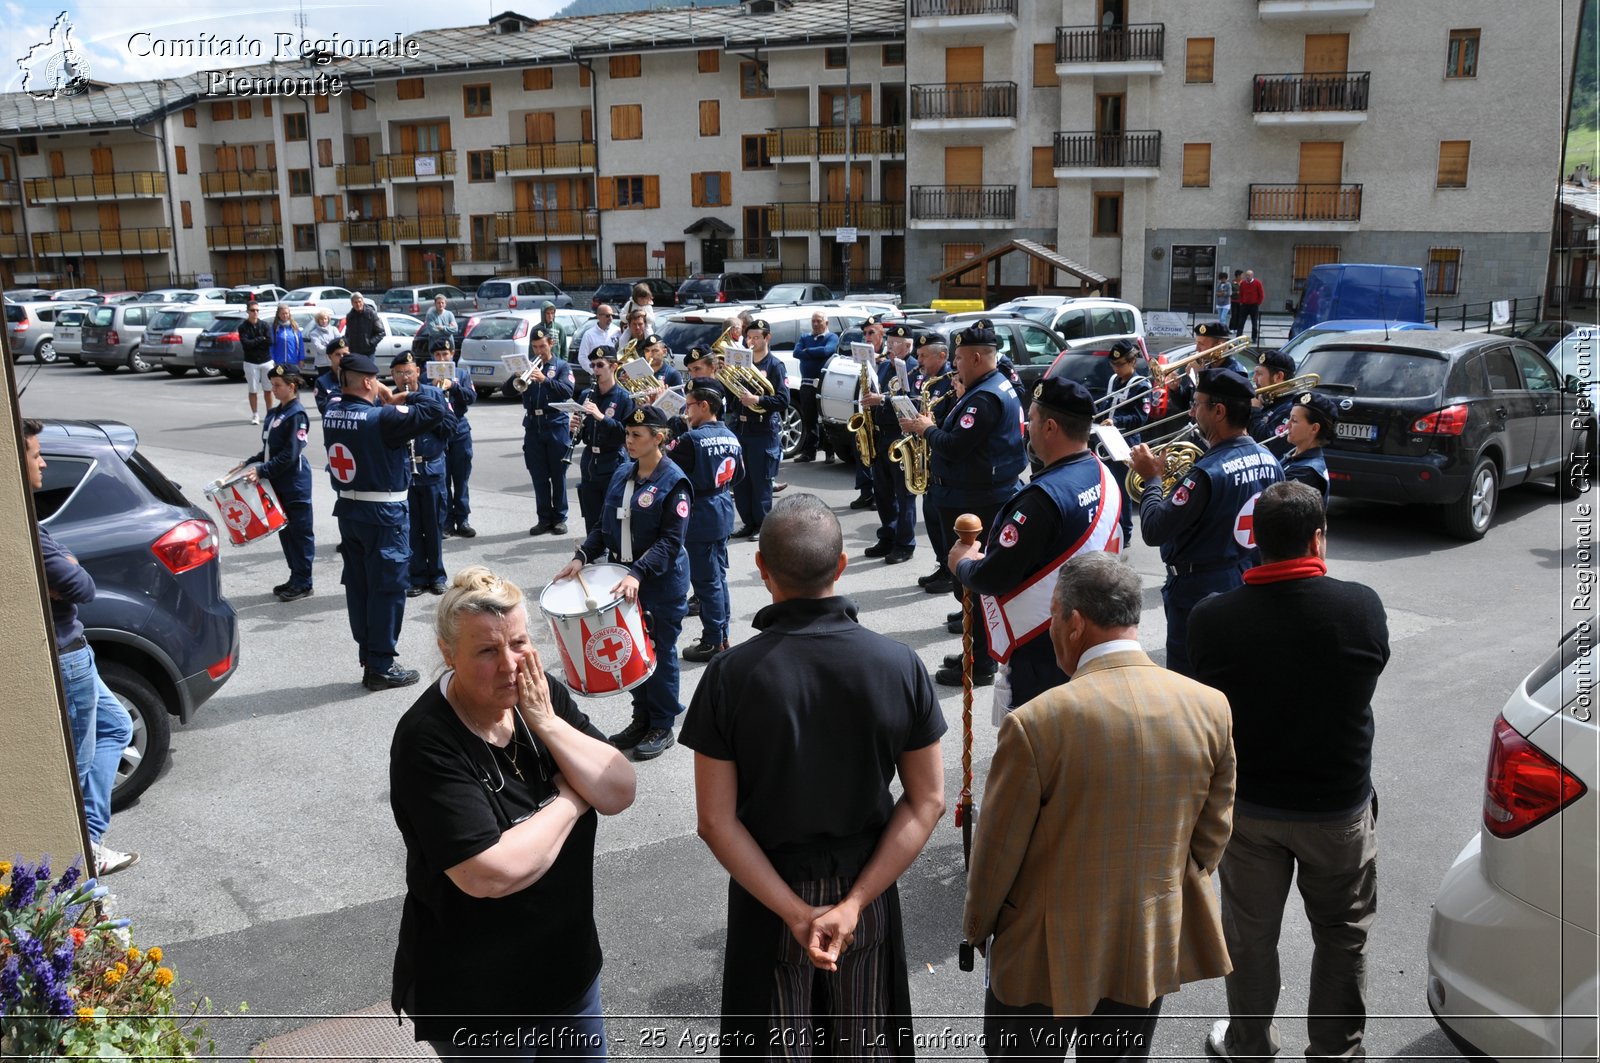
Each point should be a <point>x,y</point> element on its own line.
<point>361,150</point>
<point>1327,61</point>
<point>1321,169</point>
<point>430,201</point>
<point>831,109</point>
<point>673,264</point>
<point>858,183</point>
<point>1108,125</point>
<point>100,160</point>
<point>1191,285</point>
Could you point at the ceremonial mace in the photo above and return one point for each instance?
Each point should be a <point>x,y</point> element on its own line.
<point>968,528</point>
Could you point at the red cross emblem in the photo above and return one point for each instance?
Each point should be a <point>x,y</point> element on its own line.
<point>609,649</point>
<point>725,471</point>
<point>342,462</point>
<point>236,515</point>
<point>1244,525</point>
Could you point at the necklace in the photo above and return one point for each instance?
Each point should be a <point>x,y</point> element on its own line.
<point>511,755</point>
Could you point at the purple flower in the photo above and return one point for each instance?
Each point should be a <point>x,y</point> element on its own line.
<point>61,959</point>
<point>69,878</point>
<point>42,872</point>
<point>11,982</point>
<point>22,889</point>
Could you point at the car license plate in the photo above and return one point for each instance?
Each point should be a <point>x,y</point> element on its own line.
<point>1364,432</point>
<point>483,370</point>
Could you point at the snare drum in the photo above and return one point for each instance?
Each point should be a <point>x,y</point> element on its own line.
<point>604,650</point>
<point>250,511</point>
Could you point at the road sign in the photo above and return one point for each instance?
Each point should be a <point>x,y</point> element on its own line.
<point>845,235</point>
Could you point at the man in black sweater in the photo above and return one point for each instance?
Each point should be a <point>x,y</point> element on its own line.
<point>255,341</point>
<point>1302,732</point>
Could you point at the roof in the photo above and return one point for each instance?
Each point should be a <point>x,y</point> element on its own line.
<point>1581,198</point>
<point>479,47</point>
<point>709,226</point>
<point>1026,247</point>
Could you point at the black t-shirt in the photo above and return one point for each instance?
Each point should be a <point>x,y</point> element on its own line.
<point>815,763</point>
<point>532,953</point>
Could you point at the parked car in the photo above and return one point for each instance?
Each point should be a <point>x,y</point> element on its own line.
<point>1328,331</point>
<point>211,295</point>
<point>69,333</point>
<point>796,293</point>
<point>262,293</point>
<point>164,637</point>
<point>1511,943</point>
<point>217,350</point>
<point>1546,334</point>
<point>169,338</point>
<point>28,295</point>
<point>113,335</point>
<point>72,295</point>
<point>518,293</point>
<point>1092,322</point>
<point>1449,419</point>
<point>32,328</point>
<point>334,300</point>
<point>1344,290</point>
<point>1574,358</point>
<point>705,288</point>
<point>399,331</point>
<point>662,293</point>
<point>112,298</point>
<point>492,335</point>
<point>417,299</point>
<point>168,295</point>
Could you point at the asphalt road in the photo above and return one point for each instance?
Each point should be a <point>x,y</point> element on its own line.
<point>272,872</point>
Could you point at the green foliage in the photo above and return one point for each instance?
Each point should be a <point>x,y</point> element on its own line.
<point>1585,112</point>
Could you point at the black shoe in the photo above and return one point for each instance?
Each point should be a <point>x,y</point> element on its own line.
<point>466,531</point>
<point>805,459</point>
<point>414,592</point>
<point>542,527</point>
<point>923,581</point>
<point>943,584</point>
<point>694,607</point>
<point>438,588</point>
<point>780,486</point>
<point>558,528</point>
<point>394,677</point>
<point>630,735</point>
<point>280,588</point>
<point>863,502</point>
<point>449,531</point>
<point>898,556</point>
<point>746,532</point>
<point>953,626</point>
<point>878,550</point>
<point>951,677</point>
<point>827,459</point>
<point>293,594</point>
<point>953,618</point>
<point>703,651</point>
<point>655,742</point>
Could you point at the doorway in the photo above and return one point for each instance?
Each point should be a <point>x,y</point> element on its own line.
<point>1191,284</point>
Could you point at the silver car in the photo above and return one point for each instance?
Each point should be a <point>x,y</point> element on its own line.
<point>492,336</point>
<point>519,293</point>
<point>170,335</point>
<point>334,300</point>
<point>69,333</point>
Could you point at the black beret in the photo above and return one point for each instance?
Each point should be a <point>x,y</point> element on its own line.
<point>1320,409</point>
<point>403,358</point>
<point>1278,362</point>
<point>651,340</point>
<point>1215,329</point>
<point>606,351</point>
<point>337,344</point>
<point>874,319</point>
<point>704,386</point>
<point>1224,384</point>
<point>1064,396</point>
<point>1124,351</point>
<point>899,332</point>
<point>930,339</point>
<point>648,417</point>
<point>278,372</point>
<point>978,334</point>
<point>538,332</point>
<point>358,363</point>
<point>698,353</point>
<point>759,325</point>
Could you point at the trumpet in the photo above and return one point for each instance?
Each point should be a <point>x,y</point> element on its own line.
<point>1177,456</point>
<point>861,423</point>
<point>1273,392</point>
<point>524,380</point>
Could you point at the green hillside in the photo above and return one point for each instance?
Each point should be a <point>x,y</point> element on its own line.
<point>1583,120</point>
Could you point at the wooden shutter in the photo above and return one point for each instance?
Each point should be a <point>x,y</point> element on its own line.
<point>272,156</point>
<point>324,152</point>
<point>1308,255</point>
<point>630,257</point>
<point>319,104</point>
<point>358,102</point>
<point>110,217</point>
<point>583,76</point>
<point>408,139</point>
<point>606,194</point>
<point>1197,166</point>
<point>674,260</point>
<point>697,189</point>
<point>100,160</point>
<point>955,254</point>
<point>232,212</point>
<point>222,111</point>
<point>1200,63</point>
<point>652,191</point>
<point>180,156</point>
<point>58,164</point>
<point>727,188</point>
<point>524,195</point>
<point>536,78</point>
<point>227,159</point>
<point>1321,162</point>
<point>1044,66</point>
<point>963,65</point>
<point>710,118</point>
<point>64,219</point>
<point>244,109</point>
<point>266,108</point>
<point>188,214</point>
<point>963,166</point>
<point>627,122</point>
<point>1044,168</point>
<point>409,89</point>
<point>539,127</point>
<point>430,200</point>
<point>625,66</point>
<point>710,61</point>
<point>360,150</point>
<point>586,124</point>
<point>1453,156</point>
<point>252,212</point>
<point>190,118</point>
<point>1327,53</point>
<point>247,157</point>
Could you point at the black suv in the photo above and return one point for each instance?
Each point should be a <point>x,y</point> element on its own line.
<point>618,292</point>
<point>1450,418</point>
<point>164,637</point>
<point>720,288</point>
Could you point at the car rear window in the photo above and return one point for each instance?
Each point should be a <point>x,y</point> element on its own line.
<point>103,316</point>
<point>303,293</point>
<point>154,480</point>
<point>494,290</point>
<point>696,286</point>
<point>398,295</point>
<point>15,313</point>
<point>62,475</point>
<point>1378,373</point>
<point>224,324</point>
<point>497,328</point>
<point>198,319</point>
<point>681,335</point>
<point>166,319</point>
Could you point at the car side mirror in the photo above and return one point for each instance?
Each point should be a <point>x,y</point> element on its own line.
<point>1574,384</point>
<point>1289,307</point>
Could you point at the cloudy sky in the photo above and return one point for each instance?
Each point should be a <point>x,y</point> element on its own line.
<point>103,29</point>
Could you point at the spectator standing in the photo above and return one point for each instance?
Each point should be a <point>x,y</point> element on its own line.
<point>255,341</point>
<point>288,348</point>
<point>362,326</point>
<point>603,333</point>
<point>1235,318</point>
<point>643,299</point>
<point>440,324</point>
<point>1252,293</point>
<point>812,351</point>
<point>1224,296</point>
<point>558,335</point>
<point>317,336</point>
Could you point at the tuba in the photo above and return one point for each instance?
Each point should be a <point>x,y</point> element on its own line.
<point>739,379</point>
<point>629,352</point>
<point>1177,456</point>
<point>861,423</point>
<point>912,451</point>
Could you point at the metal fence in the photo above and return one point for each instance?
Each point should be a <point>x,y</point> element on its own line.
<point>1141,147</point>
<point>1143,42</point>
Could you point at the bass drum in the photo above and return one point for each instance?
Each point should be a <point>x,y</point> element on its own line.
<point>841,384</point>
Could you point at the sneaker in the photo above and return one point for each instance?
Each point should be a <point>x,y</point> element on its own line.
<point>898,556</point>
<point>703,651</point>
<point>108,861</point>
<point>294,594</point>
<point>630,735</point>
<point>280,588</point>
<point>656,741</point>
<point>951,677</point>
<point>863,502</point>
<point>941,585</point>
<point>466,531</point>
<point>394,677</point>
<point>1216,1040</point>
<point>255,418</point>
<point>878,550</point>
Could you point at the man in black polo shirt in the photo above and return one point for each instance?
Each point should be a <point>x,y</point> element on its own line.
<point>793,799</point>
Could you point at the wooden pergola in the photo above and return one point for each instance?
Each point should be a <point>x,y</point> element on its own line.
<point>959,282</point>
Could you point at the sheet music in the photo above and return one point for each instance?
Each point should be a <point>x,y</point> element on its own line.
<point>637,369</point>
<point>734,354</point>
<point>862,352</point>
<point>570,408</point>
<point>1111,440</point>
<point>671,402</point>
<point>517,363</point>
<point>438,371</point>
<point>901,375</point>
<point>904,408</point>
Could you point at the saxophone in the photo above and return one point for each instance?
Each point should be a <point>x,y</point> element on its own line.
<point>912,451</point>
<point>861,423</point>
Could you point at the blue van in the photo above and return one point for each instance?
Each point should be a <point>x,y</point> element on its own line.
<point>1340,290</point>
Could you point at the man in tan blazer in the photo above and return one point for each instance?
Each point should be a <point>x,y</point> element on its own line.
<point>1108,806</point>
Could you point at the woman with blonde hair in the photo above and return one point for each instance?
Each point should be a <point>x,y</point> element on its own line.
<point>495,779</point>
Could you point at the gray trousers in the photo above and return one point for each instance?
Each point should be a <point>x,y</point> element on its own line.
<point>1337,865</point>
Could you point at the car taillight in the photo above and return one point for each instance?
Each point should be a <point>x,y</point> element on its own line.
<point>722,297</point>
<point>172,338</point>
<point>475,304</point>
<point>522,330</point>
<point>1523,785</point>
<point>227,337</point>
<point>415,308</point>
<point>20,326</point>
<point>1145,351</point>
<point>1450,421</point>
<point>189,545</point>
<point>220,669</point>
<point>512,303</point>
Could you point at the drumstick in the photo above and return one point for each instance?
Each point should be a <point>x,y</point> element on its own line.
<point>590,602</point>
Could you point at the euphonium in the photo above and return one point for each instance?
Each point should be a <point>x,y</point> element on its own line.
<point>861,423</point>
<point>1177,457</point>
<point>634,385</point>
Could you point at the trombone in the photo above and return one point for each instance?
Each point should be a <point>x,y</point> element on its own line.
<point>1159,374</point>
<point>1273,392</point>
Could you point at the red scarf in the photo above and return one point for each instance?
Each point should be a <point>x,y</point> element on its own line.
<point>1294,568</point>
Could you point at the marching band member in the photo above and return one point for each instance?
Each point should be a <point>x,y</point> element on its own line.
<point>600,434</point>
<point>710,455</point>
<point>282,461</point>
<point>933,365</point>
<point>547,435</point>
<point>327,385</point>
<point>429,503</point>
<point>872,330</point>
<point>1312,418</point>
<point>757,426</point>
<point>655,349</point>
<point>1268,423</point>
<point>1128,413</point>
<point>897,506</point>
<point>458,455</point>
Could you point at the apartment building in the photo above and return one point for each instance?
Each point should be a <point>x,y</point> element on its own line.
<point>1156,143</point>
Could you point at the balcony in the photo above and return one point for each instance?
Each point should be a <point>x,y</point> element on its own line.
<point>429,228</point>
<point>104,242</point>
<point>239,183</point>
<point>804,143</point>
<point>141,184</point>
<point>1301,100</point>
<point>10,192</point>
<point>962,16</point>
<point>805,218</point>
<point>964,105</point>
<point>963,206</point>
<point>1133,154</point>
<point>1304,208</point>
<point>1286,10</point>
<point>359,174</point>
<point>244,237</point>
<point>361,232</point>
<point>11,245</point>
<point>426,166</point>
<point>756,249</point>
<point>546,224</point>
<point>569,156</point>
<point>1090,51</point>
<point>482,257</point>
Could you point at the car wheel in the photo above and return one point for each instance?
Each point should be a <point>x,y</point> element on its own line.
<point>791,430</point>
<point>1578,471</point>
<point>152,732</point>
<point>136,364</point>
<point>1469,516</point>
<point>45,353</point>
<point>177,370</point>
<point>210,372</point>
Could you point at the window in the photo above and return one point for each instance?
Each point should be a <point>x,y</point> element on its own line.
<point>1443,275</point>
<point>319,104</point>
<point>475,101</point>
<point>583,76</point>
<point>1044,168</point>
<point>540,77</point>
<point>710,118</point>
<point>753,82</point>
<point>755,152</point>
<point>757,223</point>
<point>710,61</point>
<point>190,117</point>
<point>27,145</point>
<point>328,208</point>
<point>625,66</point>
<point>180,155</point>
<point>222,111</point>
<point>1308,255</point>
<point>711,189</point>
<point>480,166</point>
<point>358,101</point>
<point>1197,166</point>
<point>1453,163</point>
<point>299,182</point>
<point>1462,59</point>
<point>408,89</point>
<point>294,126</point>
<point>1044,66</point>
<point>243,109</point>
<point>266,108</point>
<point>630,193</point>
<point>1201,60</point>
<point>894,54</point>
<point>1536,372</point>
<point>1108,214</point>
<point>834,58</point>
<point>627,122</point>
<point>305,237</point>
<point>324,152</point>
<point>188,214</point>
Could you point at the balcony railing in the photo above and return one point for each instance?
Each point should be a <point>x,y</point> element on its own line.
<point>9,191</point>
<point>1135,148</point>
<point>255,236</point>
<point>963,202</point>
<point>362,232</point>
<point>434,227</point>
<point>239,183</point>
<point>356,174</point>
<point>103,242</point>
<point>756,248</point>
<point>488,252</point>
<point>562,155</point>
<point>1292,93</point>
<point>1305,202</point>
<point>130,185</point>
<point>512,224</point>
<point>11,244</point>
<point>1139,43</point>
<point>808,142</point>
<point>425,164</point>
<point>988,99</point>
<point>816,216</point>
<point>948,8</point>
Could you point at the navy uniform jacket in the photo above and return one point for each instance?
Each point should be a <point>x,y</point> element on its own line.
<point>669,376</point>
<point>327,391</point>
<point>977,452</point>
<point>659,514</point>
<point>1132,415</point>
<point>940,395</point>
<point>367,454</point>
<point>885,422</point>
<point>462,395</point>
<point>768,414</point>
<point>1270,423</point>
<point>282,458</point>
<point>1206,524</point>
<point>540,421</point>
<point>602,439</point>
<point>428,449</point>
<point>713,460</point>
<point>1308,467</point>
